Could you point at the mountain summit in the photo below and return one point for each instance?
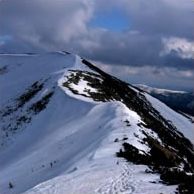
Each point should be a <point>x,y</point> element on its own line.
<point>66,126</point>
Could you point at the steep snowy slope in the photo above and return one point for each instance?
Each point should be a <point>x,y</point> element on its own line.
<point>68,127</point>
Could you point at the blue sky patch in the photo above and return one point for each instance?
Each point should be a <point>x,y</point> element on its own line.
<point>114,20</point>
<point>4,39</point>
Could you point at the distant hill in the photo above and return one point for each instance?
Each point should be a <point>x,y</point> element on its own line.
<point>178,100</point>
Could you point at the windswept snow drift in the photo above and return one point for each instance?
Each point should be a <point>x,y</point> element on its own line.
<point>60,131</point>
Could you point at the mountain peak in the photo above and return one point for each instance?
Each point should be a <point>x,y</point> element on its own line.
<point>65,122</point>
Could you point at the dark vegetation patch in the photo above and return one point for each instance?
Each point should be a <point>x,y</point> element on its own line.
<point>21,120</point>
<point>132,154</point>
<point>30,93</point>
<point>3,70</point>
<point>10,185</point>
<point>127,123</point>
<point>163,161</point>
<point>41,104</point>
<point>26,117</point>
<point>104,92</point>
<point>22,99</point>
<point>125,138</point>
<point>15,117</point>
<point>96,81</point>
<point>175,148</point>
<point>116,140</point>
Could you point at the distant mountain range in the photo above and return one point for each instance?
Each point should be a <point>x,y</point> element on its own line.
<point>180,101</point>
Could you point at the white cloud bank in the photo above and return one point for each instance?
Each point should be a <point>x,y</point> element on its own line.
<point>179,46</point>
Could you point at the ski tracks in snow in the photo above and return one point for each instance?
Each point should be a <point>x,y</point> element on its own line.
<point>124,183</point>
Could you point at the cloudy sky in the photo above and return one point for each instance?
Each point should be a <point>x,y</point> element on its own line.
<point>141,41</point>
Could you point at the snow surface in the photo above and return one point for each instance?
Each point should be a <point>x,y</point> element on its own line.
<point>70,147</point>
<point>101,171</point>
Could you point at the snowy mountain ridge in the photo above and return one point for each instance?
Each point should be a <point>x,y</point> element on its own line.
<point>68,127</point>
<point>157,90</point>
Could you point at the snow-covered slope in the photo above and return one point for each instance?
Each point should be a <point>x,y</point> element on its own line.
<point>68,127</point>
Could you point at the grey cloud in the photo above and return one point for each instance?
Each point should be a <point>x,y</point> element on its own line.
<point>45,23</point>
<point>64,24</point>
<point>162,17</point>
<point>158,77</point>
<point>135,49</point>
<point>152,21</point>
